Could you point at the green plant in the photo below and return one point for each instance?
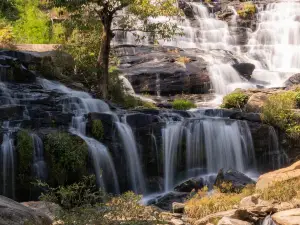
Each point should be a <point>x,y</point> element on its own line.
<point>67,157</point>
<point>183,104</point>
<point>6,34</point>
<point>58,34</point>
<point>236,99</point>
<point>183,59</point>
<point>248,9</point>
<point>97,129</point>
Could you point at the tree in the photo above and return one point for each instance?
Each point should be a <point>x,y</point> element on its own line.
<point>136,19</point>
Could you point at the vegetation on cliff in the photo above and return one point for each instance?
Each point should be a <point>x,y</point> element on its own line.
<point>182,104</point>
<point>236,99</point>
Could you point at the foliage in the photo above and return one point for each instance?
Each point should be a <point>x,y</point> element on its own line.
<point>67,157</point>
<point>236,99</point>
<point>278,111</point>
<point>282,191</point>
<point>8,10</point>
<point>248,9</point>
<point>97,129</point>
<point>183,59</point>
<point>33,26</point>
<point>203,204</point>
<point>58,34</point>
<point>182,104</point>
<point>6,33</point>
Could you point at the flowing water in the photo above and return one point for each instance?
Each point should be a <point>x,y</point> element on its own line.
<point>39,164</point>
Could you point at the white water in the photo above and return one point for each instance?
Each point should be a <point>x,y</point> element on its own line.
<point>268,221</point>
<point>132,158</point>
<point>39,164</point>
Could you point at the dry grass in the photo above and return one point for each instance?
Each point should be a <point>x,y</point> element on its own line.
<point>202,204</point>
<point>184,59</point>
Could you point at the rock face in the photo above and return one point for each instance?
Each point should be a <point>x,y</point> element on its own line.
<point>289,217</point>
<point>189,185</point>
<point>13,213</point>
<point>244,69</point>
<point>236,179</point>
<point>293,80</point>
<point>268,179</point>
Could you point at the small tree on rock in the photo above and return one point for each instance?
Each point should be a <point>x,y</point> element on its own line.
<point>135,20</point>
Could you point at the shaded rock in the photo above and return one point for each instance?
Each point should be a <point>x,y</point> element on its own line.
<point>293,80</point>
<point>244,69</point>
<point>237,179</point>
<point>49,208</point>
<point>189,185</point>
<point>289,217</point>
<point>177,207</point>
<point>268,179</point>
<point>165,201</point>
<point>231,221</point>
<point>11,112</point>
<point>14,213</point>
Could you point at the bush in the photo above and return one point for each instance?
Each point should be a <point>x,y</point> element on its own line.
<point>278,111</point>
<point>236,99</point>
<point>282,191</point>
<point>203,204</point>
<point>183,59</point>
<point>248,10</point>
<point>97,129</point>
<point>6,34</point>
<point>182,104</point>
<point>67,157</point>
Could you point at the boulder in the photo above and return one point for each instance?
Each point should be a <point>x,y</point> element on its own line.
<point>175,221</point>
<point>256,102</point>
<point>268,179</point>
<point>231,221</point>
<point>237,180</point>
<point>49,208</point>
<point>244,69</point>
<point>215,216</point>
<point>288,217</point>
<point>14,213</point>
<point>293,80</point>
<point>165,201</point>
<point>177,207</point>
<point>189,185</point>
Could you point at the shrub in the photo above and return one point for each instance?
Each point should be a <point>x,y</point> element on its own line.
<point>183,59</point>
<point>278,111</point>
<point>203,204</point>
<point>6,34</point>
<point>236,99</point>
<point>182,104</point>
<point>282,191</point>
<point>67,157</point>
<point>248,9</point>
<point>97,129</point>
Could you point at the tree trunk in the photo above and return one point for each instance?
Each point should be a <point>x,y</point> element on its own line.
<point>103,59</point>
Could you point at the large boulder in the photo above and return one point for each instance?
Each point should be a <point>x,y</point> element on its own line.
<point>288,217</point>
<point>231,221</point>
<point>190,184</point>
<point>244,69</point>
<point>237,180</point>
<point>256,102</point>
<point>49,208</point>
<point>14,213</point>
<point>288,173</point>
<point>293,80</point>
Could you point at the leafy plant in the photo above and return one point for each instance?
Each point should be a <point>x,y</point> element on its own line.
<point>184,59</point>
<point>248,9</point>
<point>182,104</point>
<point>97,129</point>
<point>236,99</point>
<point>6,34</point>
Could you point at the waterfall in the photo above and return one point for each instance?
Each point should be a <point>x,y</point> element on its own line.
<point>39,164</point>
<point>7,158</point>
<point>81,103</point>
<point>209,143</point>
<point>132,157</point>
<point>268,221</point>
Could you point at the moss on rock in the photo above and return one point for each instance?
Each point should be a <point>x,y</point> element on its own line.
<point>236,99</point>
<point>67,157</point>
<point>97,129</point>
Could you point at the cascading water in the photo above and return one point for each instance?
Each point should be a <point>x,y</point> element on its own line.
<point>268,221</point>
<point>39,164</point>
<point>132,157</point>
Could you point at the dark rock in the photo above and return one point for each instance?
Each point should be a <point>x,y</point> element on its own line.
<point>14,213</point>
<point>293,80</point>
<point>244,69</point>
<point>177,207</point>
<point>165,201</point>
<point>189,185</point>
<point>138,120</point>
<point>237,180</point>
<point>12,112</point>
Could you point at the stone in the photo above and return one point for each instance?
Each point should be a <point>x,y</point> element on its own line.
<point>49,208</point>
<point>14,213</point>
<point>175,221</point>
<point>215,216</point>
<point>165,201</point>
<point>189,185</point>
<point>288,217</point>
<point>291,81</point>
<point>268,179</point>
<point>244,69</point>
<point>177,207</point>
<point>237,179</point>
<point>256,102</point>
<point>231,221</point>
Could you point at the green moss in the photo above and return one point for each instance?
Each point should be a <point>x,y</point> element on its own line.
<point>97,129</point>
<point>182,104</point>
<point>236,99</point>
<point>132,102</point>
<point>278,111</point>
<point>67,157</point>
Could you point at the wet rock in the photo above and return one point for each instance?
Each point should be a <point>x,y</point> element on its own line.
<point>231,221</point>
<point>293,80</point>
<point>289,217</point>
<point>244,69</point>
<point>11,112</point>
<point>237,180</point>
<point>13,213</point>
<point>177,207</point>
<point>189,185</point>
<point>165,201</point>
